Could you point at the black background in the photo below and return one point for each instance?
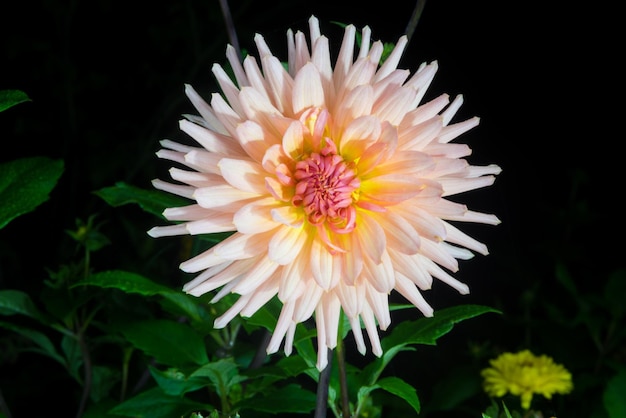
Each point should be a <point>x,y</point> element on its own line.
<point>106,81</point>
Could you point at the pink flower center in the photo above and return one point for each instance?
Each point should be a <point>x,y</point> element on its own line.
<point>325,188</point>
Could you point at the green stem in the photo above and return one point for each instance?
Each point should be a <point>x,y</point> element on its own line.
<point>128,351</point>
<point>87,373</point>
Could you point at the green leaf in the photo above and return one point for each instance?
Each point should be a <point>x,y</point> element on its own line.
<point>153,403</point>
<point>134,283</point>
<point>174,382</point>
<point>169,342</point>
<point>102,381</point>
<point>420,331</point>
<point>41,340</point>
<point>223,374</point>
<point>10,98</point>
<point>428,330</point>
<point>397,387</point>
<point>25,184</point>
<point>17,302</point>
<point>613,396</point>
<point>73,356</point>
<point>151,201</point>
<point>288,399</point>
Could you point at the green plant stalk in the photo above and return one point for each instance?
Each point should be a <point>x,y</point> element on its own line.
<point>128,351</point>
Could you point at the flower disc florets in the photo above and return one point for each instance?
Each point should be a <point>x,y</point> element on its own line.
<point>333,178</point>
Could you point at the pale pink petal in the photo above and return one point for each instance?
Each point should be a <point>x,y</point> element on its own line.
<point>216,222</point>
<point>211,141</point>
<point>224,198</point>
<point>286,244</point>
<point>240,246</point>
<point>205,110</point>
<point>229,88</point>
<point>308,90</point>
<point>256,216</point>
<point>256,276</point>
<point>282,325</point>
<point>371,237</point>
<point>407,288</point>
<point>244,175</point>
<point>167,231</point>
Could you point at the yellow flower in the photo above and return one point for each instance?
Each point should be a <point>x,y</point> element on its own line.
<point>334,182</point>
<point>524,374</point>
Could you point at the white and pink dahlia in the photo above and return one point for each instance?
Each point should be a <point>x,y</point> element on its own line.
<point>334,181</point>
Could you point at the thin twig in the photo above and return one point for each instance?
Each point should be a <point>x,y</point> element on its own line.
<point>415,18</point>
<point>230,27</point>
<point>321,404</point>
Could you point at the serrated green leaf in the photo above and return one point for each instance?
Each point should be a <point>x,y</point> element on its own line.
<point>153,403</point>
<point>169,342</point>
<point>26,183</point>
<point>17,302</point>
<point>614,398</point>
<point>10,98</point>
<point>289,399</point>
<point>151,201</point>
<point>135,283</point>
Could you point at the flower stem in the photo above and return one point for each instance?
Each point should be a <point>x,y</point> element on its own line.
<point>343,384</point>
<point>415,18</point>
<point>322,389</point>
<point>230,27</point>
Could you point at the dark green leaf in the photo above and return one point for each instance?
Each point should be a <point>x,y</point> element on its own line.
<point>17,302</point>
<point>152,201</point>
<point>420,331</point>
<point>25,184</point>
<point>289,399</point>
<point>428,330</point>
<point>10,98</point>
<point>401,389</point>
<point>223,374</point>
<point>135,283</point>
<point>73,356</point>
<point>102,380</point>
<point>614,395</point>
<point>170,343</point>
<point>174,382</point>
<point>153,403</point>
<point>41,340</point>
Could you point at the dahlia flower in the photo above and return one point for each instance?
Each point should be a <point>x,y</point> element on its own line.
<point>524,374</point>
<point>334,181</point>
